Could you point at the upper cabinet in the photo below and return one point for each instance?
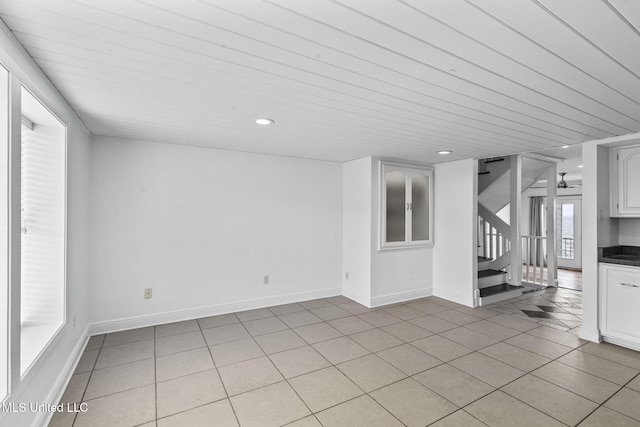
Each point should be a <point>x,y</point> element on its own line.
<point>406,208</point>
<point>625,181</point>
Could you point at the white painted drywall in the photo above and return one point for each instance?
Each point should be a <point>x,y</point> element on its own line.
<point>629,231</point>
<point>46,380</point>
<point>454,257</point>
<point>591,201</point>
<point>203,226</point>
<point>396,275</point>
<point>608,228</point>
<point>356,229</point>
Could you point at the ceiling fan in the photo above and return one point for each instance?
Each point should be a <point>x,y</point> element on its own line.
<point>563,184</point>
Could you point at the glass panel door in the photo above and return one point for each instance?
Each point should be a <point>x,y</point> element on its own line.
<point>396,202</point>
<point>568,229</point>
<point>419,207</point>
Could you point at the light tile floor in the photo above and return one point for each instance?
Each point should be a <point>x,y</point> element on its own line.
<point>332,362</point>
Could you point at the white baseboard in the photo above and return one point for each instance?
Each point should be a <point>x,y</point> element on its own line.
<point>360,299</point>
<point>634,345</point>
<point>400,297</point>
<point>57,389</point>
<point>454,297</point>
<point>206,311</point>
<point>590,335</point>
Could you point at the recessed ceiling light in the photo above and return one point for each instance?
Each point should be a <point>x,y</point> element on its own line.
<point>263,121</point>
<point>580,166</point>
<point>445,152</point>
<point>565,146</point>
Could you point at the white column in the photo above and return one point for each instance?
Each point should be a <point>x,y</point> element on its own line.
<point>552,260</point>
<point>516,202</point>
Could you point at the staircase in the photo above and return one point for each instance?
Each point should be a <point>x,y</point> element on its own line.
<point>492,284</point>
<point>497,280</point>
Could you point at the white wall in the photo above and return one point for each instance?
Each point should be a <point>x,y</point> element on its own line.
<point>454,258</point>
<point>629,231</point>
<point>46,380</point>
<point>203,226</point>
<point>608,230</point>
<point>396,275</point>
<point>356,229</point>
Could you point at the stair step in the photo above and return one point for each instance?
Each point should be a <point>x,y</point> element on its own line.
<point>483,263</point>
<point>498,293</point>
<point>488,273</point>
<point>487,278</point>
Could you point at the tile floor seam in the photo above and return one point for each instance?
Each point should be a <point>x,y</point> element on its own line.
<point>448,400</point>
<point>551,361</point>
<point>537,409</point>
<point>597,357</point>
<point>75,416</point>
<point>155,374</point>
<point>610,397</point>
<point>401,342</point>
<point>383,406</point>
<point>220,378</point>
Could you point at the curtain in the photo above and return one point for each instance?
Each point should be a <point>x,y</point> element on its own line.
<point>536,214</point>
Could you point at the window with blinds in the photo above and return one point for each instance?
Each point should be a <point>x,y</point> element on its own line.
<point>4,231</point>
<point>43,200</point>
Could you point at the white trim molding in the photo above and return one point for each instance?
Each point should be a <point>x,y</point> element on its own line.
<point>400,297</point>
<point>206,311</point>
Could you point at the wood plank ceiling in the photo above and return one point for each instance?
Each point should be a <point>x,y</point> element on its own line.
<point>343,79</point>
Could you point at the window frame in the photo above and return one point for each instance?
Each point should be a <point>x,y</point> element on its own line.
<point>408,170</point>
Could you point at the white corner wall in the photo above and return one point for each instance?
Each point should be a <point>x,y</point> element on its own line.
<point>48,377</point>
<point>396,275</point>
<point>456,211</point>
<point>202,227</point>
<point>356,229</point>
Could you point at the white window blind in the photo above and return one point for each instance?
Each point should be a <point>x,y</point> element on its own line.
<point>43,185</point>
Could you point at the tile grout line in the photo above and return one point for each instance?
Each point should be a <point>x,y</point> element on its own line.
<point>403,342</point>
<point>155,373</point>
<point>611,397</point>
<point>218,373</point>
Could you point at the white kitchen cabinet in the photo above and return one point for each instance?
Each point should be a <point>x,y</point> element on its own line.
<point>625,181</point>
<point>620,304</point>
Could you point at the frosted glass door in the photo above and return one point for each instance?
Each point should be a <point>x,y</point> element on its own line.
<point>419,207</point>
<point>396,201</point>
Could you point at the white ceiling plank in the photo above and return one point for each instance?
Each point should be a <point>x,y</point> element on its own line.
<point>604,32</point>
<point>451,88</point>
<point>343,79</point>
<point>534,22</point>
<point>504,41</point>
<point>629,10</point>
<point>391,39</point>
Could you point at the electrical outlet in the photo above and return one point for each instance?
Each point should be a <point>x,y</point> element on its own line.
<point>266,279</point>
<point>346,275</point>
<point>148,293</point>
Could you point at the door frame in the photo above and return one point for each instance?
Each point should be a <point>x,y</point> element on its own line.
<point>576,262</point>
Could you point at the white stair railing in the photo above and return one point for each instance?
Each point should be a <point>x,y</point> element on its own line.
<point>493,239</point>
<point>534,260</point>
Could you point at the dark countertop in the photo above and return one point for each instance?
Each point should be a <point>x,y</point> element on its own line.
<point>624,255</point>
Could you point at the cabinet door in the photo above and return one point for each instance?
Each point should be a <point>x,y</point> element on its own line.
<point>628,161</point>
<point>621,303</point>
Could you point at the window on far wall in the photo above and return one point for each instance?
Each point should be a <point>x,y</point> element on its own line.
<point>43,201</point>
<point>406,206</point>
<point>4,231</point>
